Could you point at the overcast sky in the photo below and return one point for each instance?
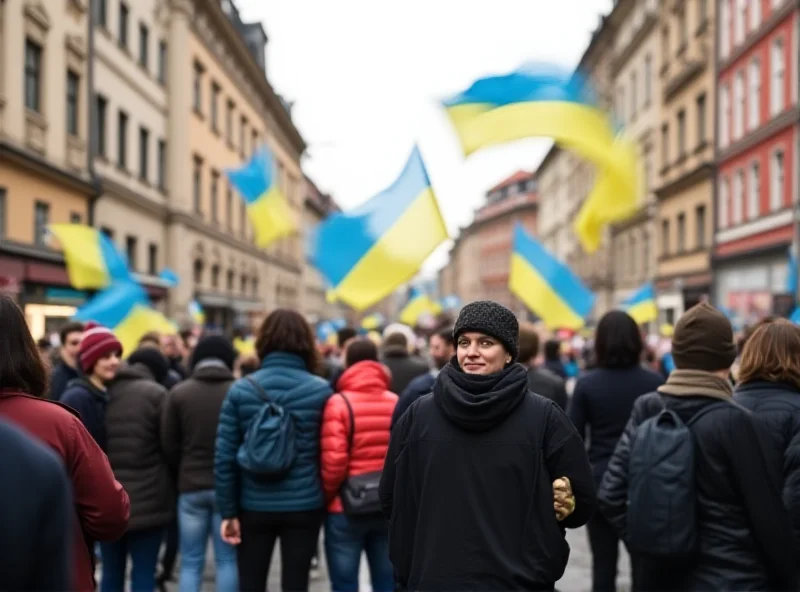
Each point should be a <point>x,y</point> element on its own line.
<point>365,77</point>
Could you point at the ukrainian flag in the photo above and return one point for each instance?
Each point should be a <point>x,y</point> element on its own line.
<point>196,313</point>
<point>93,261</point>
<point>245,347</point>
<point>269,212</point>
<point>641,305</point>
<point>420,304</point>
<point>372,321</point>
<point>546,286</point>
<point>366,253</point>
<point>125,310</point>
<point>548,103</point>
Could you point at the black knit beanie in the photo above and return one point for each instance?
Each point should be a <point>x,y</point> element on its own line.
<point>154,360</point>
<point>490,318</point>
<point>214,346</point>
<point>703,340</point>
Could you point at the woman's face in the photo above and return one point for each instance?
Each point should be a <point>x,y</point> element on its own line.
<point>480,354</point>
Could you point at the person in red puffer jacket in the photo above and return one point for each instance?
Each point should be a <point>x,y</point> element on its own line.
<point>365,386</point>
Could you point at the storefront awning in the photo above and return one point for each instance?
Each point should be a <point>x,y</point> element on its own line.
<point>231,302</point>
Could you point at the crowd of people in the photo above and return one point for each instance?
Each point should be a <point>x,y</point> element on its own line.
<point>454,462</point>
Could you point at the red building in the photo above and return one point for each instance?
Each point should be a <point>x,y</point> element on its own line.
<point>757,140</point>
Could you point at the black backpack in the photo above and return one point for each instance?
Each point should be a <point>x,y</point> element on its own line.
<point>661,517</point>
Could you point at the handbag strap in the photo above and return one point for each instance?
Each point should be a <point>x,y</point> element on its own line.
<point>352,424</point>
<point>259,389</point>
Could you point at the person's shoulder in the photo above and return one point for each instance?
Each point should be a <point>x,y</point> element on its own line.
<point>547,376</point>
<point>423,382</point>
<point>654,379</point>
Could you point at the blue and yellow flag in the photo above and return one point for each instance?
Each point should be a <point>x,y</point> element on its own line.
<point>196,313</point>
<point>641,305</point>
<point>267,208</point>
<point>546,286</point>
<point>245,347</point>
<point>451,302</point>
<point>372,321</point>
<point>418,305</point>
<point>546,102</point>
<point>125,310</point>
<point>93,261</point>
<point>366,253</point>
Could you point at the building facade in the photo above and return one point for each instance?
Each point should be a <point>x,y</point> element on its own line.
<point>45,172</point>
<point>461,274</point>
<point>686,155</point>
<point>637,107</point>
<point>757,153</point>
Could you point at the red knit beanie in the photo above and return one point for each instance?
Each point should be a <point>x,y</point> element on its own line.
<point>97,342</point>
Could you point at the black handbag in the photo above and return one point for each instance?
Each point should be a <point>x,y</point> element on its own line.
<point>359,493</point>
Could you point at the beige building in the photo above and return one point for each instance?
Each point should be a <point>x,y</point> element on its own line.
<point>44,157</point>
<point>686,156</point>
<point>461,275</point>
<point>637,107</point>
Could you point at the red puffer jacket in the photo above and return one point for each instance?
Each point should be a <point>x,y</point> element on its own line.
<point>365,385</point>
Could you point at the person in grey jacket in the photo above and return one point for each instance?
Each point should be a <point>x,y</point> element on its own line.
<point>540,380</point>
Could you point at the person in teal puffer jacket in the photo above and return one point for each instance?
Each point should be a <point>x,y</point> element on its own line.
<point>257,511</point>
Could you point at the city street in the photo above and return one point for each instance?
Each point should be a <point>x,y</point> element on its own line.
<point>577,578</point>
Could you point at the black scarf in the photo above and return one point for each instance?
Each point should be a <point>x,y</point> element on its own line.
<point>478,402</point>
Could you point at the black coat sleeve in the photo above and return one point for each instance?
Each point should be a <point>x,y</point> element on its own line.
<point>769,519</point>
<point>565,456</point>
<point>791,486</point>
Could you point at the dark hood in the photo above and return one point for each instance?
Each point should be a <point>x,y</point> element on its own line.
<point>134,371</point>
<point>477,402</point>
<point>212,370</point>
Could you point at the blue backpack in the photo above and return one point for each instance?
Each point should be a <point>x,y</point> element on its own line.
<point>661,516</point>
<point>269,446</point>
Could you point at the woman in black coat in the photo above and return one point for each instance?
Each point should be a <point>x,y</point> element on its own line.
<point>769,385</point>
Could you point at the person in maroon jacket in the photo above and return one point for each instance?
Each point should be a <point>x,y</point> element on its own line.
<point>101,504</point>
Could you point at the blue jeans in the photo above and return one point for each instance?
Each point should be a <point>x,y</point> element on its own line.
<point>345,540</point>
<point>198,519</point>
<point>143,547</point>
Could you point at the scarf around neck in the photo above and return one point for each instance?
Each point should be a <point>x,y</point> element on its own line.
<point>688,383</point>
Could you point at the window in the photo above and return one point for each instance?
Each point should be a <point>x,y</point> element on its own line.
<point>197,88</point>
<point>724,116</point>
<point>144,41</point>
<point>230,281</point>
<point>33,76</point>
<point>738,21</point>
<point>648,79</point>
<point>665,145</point>
<point>632,268</point>
<point>776,195</point>
<point>73,100</point>
<point>646,250</point>
<point>229,122</point>
<point>255,286</point>
<point>214,106</point>
<point>700,228</point>
<point>725,28</point>
<point>701,119</point>
<point>776,86</point>
<point>2,212</point>
<point>75,218</point>
<point>214,188</point>
<point>229,206</point>
<point>215,275</point>
<point>152,259</point>
<point>722,210</point>
<point>130,251</point>
<point>754,92</point>
<point>242,219</point>
<point>197,185</point>
<point>108,233</point>
<point>254,142</point>
<point>702,12</point>
<point>634,105</point>
<point>665,44</point>
<point>41,220</point>
<point>665,237</point>
<point>738,105</point>
<point>681,233</point>
<point>123,25</point>
<point>754,191</point>
<point>161,172</point>
<point>681,134</point>
<point>755,14</point>
<point>621,106</point>
<point>101,107</point>
<point>144,145</point>
<point>684,29</point>
<point>244,284</point>
<point>162,62</point>
<point>242,135</point>
<point>738,197</point>
<point>198,272</point>
<point>101,12</point>
<point>122,139</point>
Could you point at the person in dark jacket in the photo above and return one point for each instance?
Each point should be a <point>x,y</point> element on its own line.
<point>540,380</point>
<point>335,366</point>
<point>152,340</point>
<point>188,434</point>
<point>133,424</point>
<point>552,358</point>
<point>403,366</point>
<point>769,385</point>
<point>38,512</point>
<point>601,403</point>
<point>745,537</point>
<point>442,349</point>
<point>101,507</point>
<point>256,511</point>
<point>67,368</point>
<point>469,478</point>
<point>99,358</point>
